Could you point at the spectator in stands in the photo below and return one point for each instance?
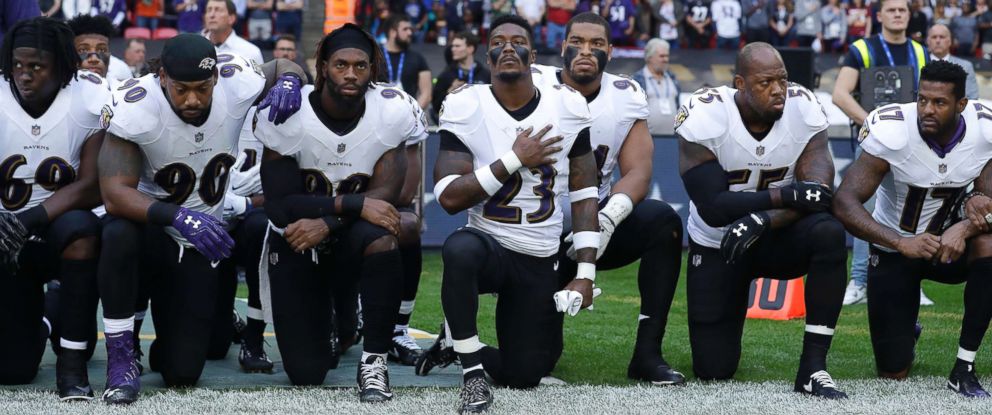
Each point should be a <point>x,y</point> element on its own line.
<point>834,21</point>
<point>644,21</point>
<point>73,8</point>
<point>418,13</point>
<point>115,10</point>
<point>782,22</point>
<point>404,67</point>
<point>190,15</point>
<point>381,13</point>
<point>985,26</point>
<point>939,42</point>
<point>669,16</point>
<point>533,12</point>
<point>499,8</point>
<point>756,14</point>
<point>952,9</point>
<point>620,15</point>
<point>286,48</point>
<point>147,13</point>
<point>857,21</point>
<point>260,20</point>
<point>808,24</point>
<point>918,21</point>
<point>965,30</point>
<point>660,86</point>
<point>559,12</point>
<point>218,21</point>
<point>939,16</point>
<point>462,70</point>
<point>289,17</point>
<point>13,11</point>
<point>134,57</point>
<point>727,19</point>
<point>697,24</point>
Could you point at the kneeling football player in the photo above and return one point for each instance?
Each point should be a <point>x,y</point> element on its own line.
<point>755,163</point>
<point>331,176</point>
<point>919,160</point>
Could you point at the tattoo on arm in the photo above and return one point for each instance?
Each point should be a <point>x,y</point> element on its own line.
<point>860,182</point>
<point>388,176</point>
<point>119,158</point>
<point>984,181</point>
<point>815,163</point>
<point>585,213</point>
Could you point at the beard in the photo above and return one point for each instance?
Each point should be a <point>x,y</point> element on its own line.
<point>344,100</point>
<point>403,44</point>
<point>509,76</point>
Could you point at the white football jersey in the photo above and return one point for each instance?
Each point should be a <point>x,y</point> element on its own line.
<point>711,119</point>
<point>185,164</point>
<point>339,164</point>
<point>525,215</point>
<point>921,188</point>
<point>619,104</point>
<point>41,155</point>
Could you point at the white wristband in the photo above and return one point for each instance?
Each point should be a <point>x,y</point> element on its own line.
<point>488,180</point>
<point>586,271</point>
<point>618,208</point>
<point>583,194</point>
<point>586,239</point>
<point>443,184</point>
<point>511,162</point>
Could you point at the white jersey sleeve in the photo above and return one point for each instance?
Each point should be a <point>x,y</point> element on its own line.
<point>885,135</point>
<point>574,114</point>
<point>629,99</point>
<point>90,94</point>
<point>813,120</point>
<point>242,80</point>
<point>286,138</point>
<point>132,117</point>
<point>702,120</point>
<point>409,119</point>
<point>459,112</point>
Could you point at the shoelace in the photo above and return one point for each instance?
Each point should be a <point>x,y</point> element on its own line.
<point>406,341</point>
<point>824,379</point>
<point>374,375</point>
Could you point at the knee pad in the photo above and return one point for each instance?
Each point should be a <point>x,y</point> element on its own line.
<point>120,233</point>
<point>827,236</point>
<point>464,249</point>
<point>70,227</point>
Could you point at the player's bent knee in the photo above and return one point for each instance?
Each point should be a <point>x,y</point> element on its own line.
<point>893,359</point>
<point>382,244</point>
<point>84,248</point>
<point>121,233</point>
<point>67,231</point>
<point>463,251</point>
<point>827,237</point>
<point>181,377</point>
<point>304,373</point>
<point>409,229</point>
<point>18,374</point>
<point>980,246</point>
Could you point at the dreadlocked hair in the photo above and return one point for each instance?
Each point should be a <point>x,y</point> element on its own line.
<point>92,25</point>
<point>65,61</point>
<point>377,62</point>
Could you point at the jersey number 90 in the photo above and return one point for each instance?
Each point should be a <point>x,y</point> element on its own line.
<point>179,179</point>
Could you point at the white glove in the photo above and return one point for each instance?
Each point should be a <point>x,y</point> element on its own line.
<point>245,183</point>
<point>568,301</point>
<point>234,206</point>
<point>615,211</point>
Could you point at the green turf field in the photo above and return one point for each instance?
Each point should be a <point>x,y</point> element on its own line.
<point>598,343</point>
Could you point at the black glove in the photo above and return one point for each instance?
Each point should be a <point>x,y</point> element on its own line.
<point>741,234</point>
<point>13,235</point>
<point>807,196</point>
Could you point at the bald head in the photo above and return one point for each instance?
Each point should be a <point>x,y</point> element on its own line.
<point>939,40</point>
<point>757,55</point>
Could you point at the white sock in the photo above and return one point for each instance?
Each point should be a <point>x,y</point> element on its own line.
<point>966,355</point>
<point>47,324</point>
<point>71,345</point>
<point>401,328</point>
<point>824,330</point>
<point>113,325</point>
<point>366,355</point>
<point>469,345</point>
<point>465,370</point>
<point>642,317</point>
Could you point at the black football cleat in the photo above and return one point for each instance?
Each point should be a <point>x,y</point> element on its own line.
<point>253,359</point>
<point>819,384</point>
<point>373,380</point>
<point>71,377</point>
<point>476,396</point>
<point>964,381</point>
<point>657,372</point>
<point>440,354</point>
<point>405,349</point>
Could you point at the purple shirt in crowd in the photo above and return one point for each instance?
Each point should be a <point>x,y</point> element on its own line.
<point>13,11</point>
<point>620,13</point>
<point>191,19</point>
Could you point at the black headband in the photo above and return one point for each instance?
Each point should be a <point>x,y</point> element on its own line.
<point>347,37</point>
<point>34,36</point>
<point>189,58</point>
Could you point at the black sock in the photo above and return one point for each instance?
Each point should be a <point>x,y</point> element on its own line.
<point>977,304</point>
<point>381,275</point>
<point>253,332</point>
<point>961,362</point>
<point>78,301</point>
<point>471,364</point>
<point>814,357</point>
<point>413,260</point>
<point>650,332</point>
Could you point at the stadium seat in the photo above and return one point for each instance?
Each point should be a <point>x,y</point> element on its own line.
<point>163,33</point>
<point>137,33</point>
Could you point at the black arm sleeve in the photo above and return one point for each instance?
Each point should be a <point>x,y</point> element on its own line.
<point>285,200</point>
<point>582,146</point>
<point>707,187</point>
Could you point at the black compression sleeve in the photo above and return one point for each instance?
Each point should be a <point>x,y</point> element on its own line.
<point>161,213</point>
<point>582,146</point>
<point>33,218</point>
<point>450,142</point>
<point>707,187</point>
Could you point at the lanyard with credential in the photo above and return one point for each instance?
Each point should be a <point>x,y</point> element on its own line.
<point>654,85</point>
<point>911,59</point>
<point>399,69</point>
<point>471,73</point>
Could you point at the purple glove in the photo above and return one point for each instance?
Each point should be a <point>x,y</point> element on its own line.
<point>205,232</point>
<point>284,97</point>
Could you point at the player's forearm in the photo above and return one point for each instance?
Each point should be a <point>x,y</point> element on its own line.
<point>467,191</point>
<point>81,194</point>
<point>286,200</point>
<point>781,218</point>
<point>388,177</point>
<point>125,202</point>
<point>859,222</point>
<point>424,95</point>
<point>816,164</point>
<point>718,206</point>
<point>634,184</point>
<point>413,177</point>
<point>585,218</point>
<point>846,102</point>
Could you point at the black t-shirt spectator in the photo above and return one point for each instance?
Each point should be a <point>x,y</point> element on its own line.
<point>985,33</point>
<point>917,24</point>
<point>407,65</point>
<point>478,75</point>
<point>900,54</point>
